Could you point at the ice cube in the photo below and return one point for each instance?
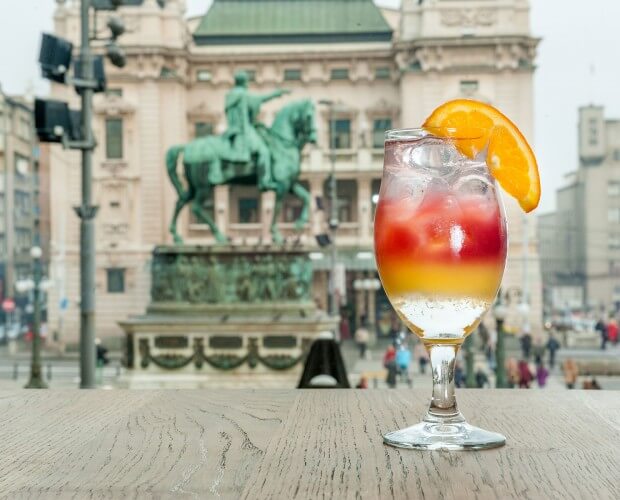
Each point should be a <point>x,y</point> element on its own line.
<point>437,157</point>
<point>473,185</point>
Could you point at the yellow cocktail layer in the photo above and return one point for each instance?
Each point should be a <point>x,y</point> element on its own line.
<point>479,280</point>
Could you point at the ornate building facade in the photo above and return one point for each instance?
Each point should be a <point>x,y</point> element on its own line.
<point>382,69</point>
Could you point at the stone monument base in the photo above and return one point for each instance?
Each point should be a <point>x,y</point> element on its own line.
<point>238,317</point>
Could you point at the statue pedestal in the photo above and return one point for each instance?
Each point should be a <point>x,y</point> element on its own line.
<point>227,313</point>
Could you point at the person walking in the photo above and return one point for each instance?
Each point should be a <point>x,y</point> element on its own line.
<point>421,355</point>
<point>389,362</point>
<point>571,372</point>
<point>526,345</point>
<point>552,346</point>
<point>541,375</point>
<point>539,351</point>
<point>403,361</point>
<point>362,336</point>
<point>512,372</point>
<point>601,328</point>
<point>525,375</point>
<point>612,331</point>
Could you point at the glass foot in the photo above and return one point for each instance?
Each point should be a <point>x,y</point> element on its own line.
<point>444,436</point>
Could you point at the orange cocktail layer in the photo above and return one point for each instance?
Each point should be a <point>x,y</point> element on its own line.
<point>447,246</point>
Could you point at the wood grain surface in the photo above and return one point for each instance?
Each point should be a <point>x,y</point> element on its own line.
<point>301,444</point>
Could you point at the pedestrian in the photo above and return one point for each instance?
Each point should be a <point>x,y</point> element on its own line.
<point>539,351</point>
<point>362,335</point>
<point>552,346</point>
<point>525,375</point>
<point>403,360</point>
<point>601,328</point>
<point>571,372</point>
<point>541,375</point>
<point>345,329</point>
<point>481,379</point>
<point>363,383</point>
<point>422,356</point>
<point>612,331</point>
<point>512,372</point>
<point>389,362</point>
<point>526,345</point>
<point>459,376</point>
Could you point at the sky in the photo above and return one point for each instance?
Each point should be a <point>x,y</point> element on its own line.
<point>577,64</point>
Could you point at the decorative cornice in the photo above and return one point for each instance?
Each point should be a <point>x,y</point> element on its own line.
<point>469,17</point>
<point>114,105</point>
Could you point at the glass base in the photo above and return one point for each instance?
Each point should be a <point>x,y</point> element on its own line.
<point>444,436</point>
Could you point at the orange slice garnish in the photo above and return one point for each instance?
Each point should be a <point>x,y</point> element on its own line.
<point>510,158</point>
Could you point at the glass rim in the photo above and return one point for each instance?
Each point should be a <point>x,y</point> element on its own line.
<point>450,133</point>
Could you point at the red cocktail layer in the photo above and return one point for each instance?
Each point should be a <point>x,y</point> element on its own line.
<point>447,245</point>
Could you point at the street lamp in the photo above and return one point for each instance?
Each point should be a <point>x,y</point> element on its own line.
<point>36,284</point>
<point>500,311</point>
<point>470,379</point>
<point>333,216</point>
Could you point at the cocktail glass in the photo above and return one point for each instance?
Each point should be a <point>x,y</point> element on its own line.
<point>440,245</point>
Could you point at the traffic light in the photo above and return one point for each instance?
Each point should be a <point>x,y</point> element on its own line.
<point>52,120</point>
<point>55,57</point>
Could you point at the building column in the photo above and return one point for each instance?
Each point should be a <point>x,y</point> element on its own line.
<point>363,207</point>
<point>267,201</point>
<point>221,204</point>
<point>371,307</point>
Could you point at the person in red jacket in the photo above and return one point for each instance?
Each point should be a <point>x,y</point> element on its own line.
<point>612,331</point>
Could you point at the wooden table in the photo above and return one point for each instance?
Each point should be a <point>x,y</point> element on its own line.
<point>301,444</point>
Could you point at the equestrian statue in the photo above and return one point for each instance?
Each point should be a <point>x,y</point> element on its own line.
<point>247,153</point>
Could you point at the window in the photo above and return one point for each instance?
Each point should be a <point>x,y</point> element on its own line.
<point>114,138</point>
<point>379,126</point>
<point>23,238</point>
<point>613,188</point>
<point>382,73</point>
<point>342,134</point>
<point>203,75</point>
<point>22,202</point>
<point>613,243</point>
<point>616,154</point>
<point>202,129</point>
<point>613,215</point>
<point>340,74</point>
<point>115,204</point>
<point>291,75</point>
<point>24,128</point>
<point>167,72</point>
<point>468,86</point>
<point>346,191</point>
<point>593,138</point>
<point>115,280</point>
<point>248,210</point>
<point>114,92</point>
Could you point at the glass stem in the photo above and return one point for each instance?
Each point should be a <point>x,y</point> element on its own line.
<point>443,403</point>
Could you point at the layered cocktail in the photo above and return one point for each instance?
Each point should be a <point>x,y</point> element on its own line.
<point>441,243</point>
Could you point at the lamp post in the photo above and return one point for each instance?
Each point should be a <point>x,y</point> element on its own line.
<point>333,216</point>
<point>37,284</point>
<point>500,312</point>
<point>470,379</point>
